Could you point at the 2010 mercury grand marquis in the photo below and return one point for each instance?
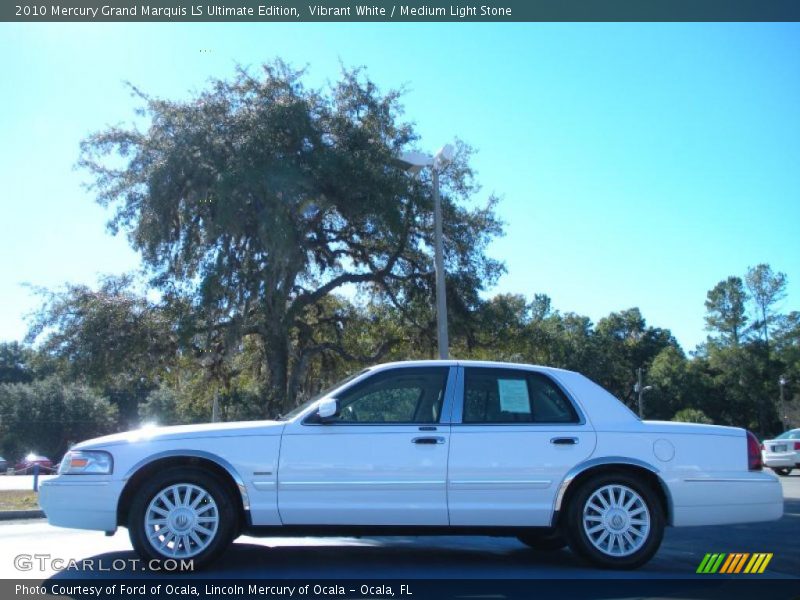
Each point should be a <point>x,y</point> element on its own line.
<point>422,448</point>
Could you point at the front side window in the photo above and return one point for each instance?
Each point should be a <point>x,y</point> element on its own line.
<point>406,395</point>
<point>514,396</point>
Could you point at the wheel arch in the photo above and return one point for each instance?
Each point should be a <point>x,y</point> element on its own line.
<point>608,464</point>
<point>207,461</point>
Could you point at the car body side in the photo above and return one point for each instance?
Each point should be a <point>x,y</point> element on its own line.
<point>294,473</point>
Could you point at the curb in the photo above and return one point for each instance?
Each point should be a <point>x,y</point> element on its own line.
<point>9,515</point>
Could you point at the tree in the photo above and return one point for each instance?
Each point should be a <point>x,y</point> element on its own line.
<point>726,310</point>
<point>692,415</point>
<point>46,416</point>
<point>15,363</point>
<point>766,289</point>
<point>627,343</point>
<point>256,199</point>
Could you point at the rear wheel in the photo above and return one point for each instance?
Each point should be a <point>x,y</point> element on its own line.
<point>615,521</point>
<point>182,513</point>
<point>782,471</point>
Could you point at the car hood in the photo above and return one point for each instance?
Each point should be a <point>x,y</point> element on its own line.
<point>181,432</point>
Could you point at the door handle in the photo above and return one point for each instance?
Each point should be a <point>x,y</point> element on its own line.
<point>563,441</point>
<point>428,440</point>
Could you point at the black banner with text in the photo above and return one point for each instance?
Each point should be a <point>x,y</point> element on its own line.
<point>438,589</point>
<point>381,10</point>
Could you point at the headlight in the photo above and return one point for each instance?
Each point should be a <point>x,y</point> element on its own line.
<point>86,462</point>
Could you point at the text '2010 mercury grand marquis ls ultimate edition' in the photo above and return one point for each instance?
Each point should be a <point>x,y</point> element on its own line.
<point>422,448</point>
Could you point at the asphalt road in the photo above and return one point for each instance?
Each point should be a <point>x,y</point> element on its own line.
<point>404,557</point>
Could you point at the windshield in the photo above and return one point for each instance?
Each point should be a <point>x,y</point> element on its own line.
<point>296,411</point>
<point>794,434</point>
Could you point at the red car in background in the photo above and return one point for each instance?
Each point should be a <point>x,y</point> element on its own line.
<point>25,465</point>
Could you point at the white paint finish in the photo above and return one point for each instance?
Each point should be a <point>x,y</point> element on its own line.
<point>509,474</point>
<point>374,474</point>
<point>234,429</point>
<point>362,474</point>
<point>80,501</point>
<point>663,450</point>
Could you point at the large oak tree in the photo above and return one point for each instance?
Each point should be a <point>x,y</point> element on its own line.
<point>254,200</point>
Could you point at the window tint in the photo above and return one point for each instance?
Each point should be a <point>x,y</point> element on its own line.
<point>405,395</point>
<point>512,396</point>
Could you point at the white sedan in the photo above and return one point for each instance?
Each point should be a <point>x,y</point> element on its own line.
<point>783,453</point>
<point>422,448</point>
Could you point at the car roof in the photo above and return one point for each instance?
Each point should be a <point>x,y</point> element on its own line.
<point>466,363</point>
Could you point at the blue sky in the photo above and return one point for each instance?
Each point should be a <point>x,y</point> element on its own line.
<point>638,164</point>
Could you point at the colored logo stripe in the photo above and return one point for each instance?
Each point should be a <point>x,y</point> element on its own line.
<point>758,563</point>
<point>711,563</point>
<point>734,563</point>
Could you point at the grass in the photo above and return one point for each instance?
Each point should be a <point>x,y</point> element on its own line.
<point>18,500</point>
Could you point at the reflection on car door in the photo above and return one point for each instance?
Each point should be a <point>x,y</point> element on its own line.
<point>515,438</point>
<point>383,461</point>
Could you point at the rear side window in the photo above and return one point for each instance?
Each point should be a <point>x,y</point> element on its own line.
<point>513,396</point>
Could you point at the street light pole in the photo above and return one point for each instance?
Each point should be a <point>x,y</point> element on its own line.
<point>414,162</point>
<point>441,295</point>
<point>785,419</point>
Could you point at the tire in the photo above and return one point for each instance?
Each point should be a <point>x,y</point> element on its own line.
<point>544,542</point>
<point>782,471</point>
<point>615,521</point>
<point>199,533</point>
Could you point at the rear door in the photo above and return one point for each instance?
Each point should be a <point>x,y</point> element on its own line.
<point>515,434</point>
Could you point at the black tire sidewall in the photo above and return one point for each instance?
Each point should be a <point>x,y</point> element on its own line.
<point>227,514</point>
<point>578,540</point>
<point>782,471</point>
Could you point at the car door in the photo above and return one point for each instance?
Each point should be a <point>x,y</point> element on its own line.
<point>381,461</point>
<point>515,434</point>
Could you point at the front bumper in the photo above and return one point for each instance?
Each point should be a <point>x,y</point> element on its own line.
<point>81,502</point>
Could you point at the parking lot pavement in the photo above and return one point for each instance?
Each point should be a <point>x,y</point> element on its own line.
<point>404,557</point>
<point>20,482</point>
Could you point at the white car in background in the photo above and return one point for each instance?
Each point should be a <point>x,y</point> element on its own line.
<point>783,453</point>
<point>422,448</point>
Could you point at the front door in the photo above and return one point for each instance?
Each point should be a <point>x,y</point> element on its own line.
<point>382,461</point>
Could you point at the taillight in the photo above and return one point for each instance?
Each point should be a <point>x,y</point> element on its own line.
<point>753,453</point>
<point>797,445</point>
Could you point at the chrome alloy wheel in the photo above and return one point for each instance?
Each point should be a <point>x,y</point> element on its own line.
<point>181,520</point>
<point>616,520</point>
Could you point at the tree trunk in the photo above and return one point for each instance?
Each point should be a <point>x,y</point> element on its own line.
<point>277,364</point>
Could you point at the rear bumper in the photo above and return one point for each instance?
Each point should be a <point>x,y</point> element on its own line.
<point>784,459</point>
<point>727,499</point>
<point>80,502</point>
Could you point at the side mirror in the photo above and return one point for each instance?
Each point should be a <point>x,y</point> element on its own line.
<point>328,409</point>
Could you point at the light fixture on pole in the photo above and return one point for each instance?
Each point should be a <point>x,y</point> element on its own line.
<point>414,162</point>
<point>640,389</point>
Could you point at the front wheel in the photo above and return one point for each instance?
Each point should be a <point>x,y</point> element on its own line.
<point>782,471</point>
<point>182,514</point>
<point>615,521</point>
